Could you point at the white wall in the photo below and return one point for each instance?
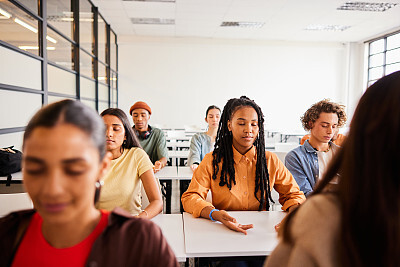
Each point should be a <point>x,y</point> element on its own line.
<point>180,77</point>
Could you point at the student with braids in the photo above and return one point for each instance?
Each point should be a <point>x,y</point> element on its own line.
<point>239,172</point>
<point>358,223</point>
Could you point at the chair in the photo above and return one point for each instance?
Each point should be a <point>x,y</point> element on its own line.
<point>275,198</point>
<point>14,202</point>
<point>174,135</point>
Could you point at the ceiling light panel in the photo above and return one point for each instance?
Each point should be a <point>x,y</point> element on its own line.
<point>157,21</point>
<point>334,28</point>
<point>365,6</point>
<point>243,24</point>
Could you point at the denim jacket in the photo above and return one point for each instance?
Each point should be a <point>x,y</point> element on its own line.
<point>302,162</point>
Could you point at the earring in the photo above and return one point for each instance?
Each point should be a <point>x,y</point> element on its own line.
<point>98,185</point>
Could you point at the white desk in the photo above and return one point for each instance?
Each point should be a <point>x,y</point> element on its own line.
<point>204,238</point>
<point>185,173</point>
<point>178,138</point>
<point>16,178</point>
<point>168,172</point>
<point>172,228</point>
<point>178,154</point>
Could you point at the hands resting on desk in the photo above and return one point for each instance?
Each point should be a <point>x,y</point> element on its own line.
<point>230,222</point>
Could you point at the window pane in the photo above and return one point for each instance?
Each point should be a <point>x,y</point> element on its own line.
<point>61,81</point>
<point>11,73</point>
<point>86,26</point>
<point>52,99</point>
<point>376,60</point>
<point>113,81</point>
<point>89,103</point>
<point>113,55</point>
<point>376,47</point>
<point>114,95</point>
<point>103,106</point>
<point>12,139</point>
<point>371,83</point>
<point>86,64</point>
<point>103,92</point>
<point>393,56</point>
<point>102,39</point>
<point>88,88</point>
<point>392,68</point>
<point>59,50</point>
<point>113,84</point>
<point>23,105</point>
<point>18,28</point>
<point>32,5</point>
<point>102,73</point>
<point>393,41</point>
<point>59,15</point>
<point>375,73</point>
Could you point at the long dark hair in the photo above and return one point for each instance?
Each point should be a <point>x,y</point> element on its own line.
<point>223,152</point>
<point>71,112</point>
<point>369,182</point>
<point>131,139</point>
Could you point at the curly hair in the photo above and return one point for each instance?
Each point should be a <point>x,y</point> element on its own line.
<point>312,114</point>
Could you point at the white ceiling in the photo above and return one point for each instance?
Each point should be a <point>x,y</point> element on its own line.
<point>285,20</point>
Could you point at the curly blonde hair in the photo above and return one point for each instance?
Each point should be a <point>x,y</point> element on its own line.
<point>312,114</point>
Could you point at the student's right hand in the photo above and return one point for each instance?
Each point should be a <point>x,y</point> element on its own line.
<point>194,167</point>
<point>230,222</point>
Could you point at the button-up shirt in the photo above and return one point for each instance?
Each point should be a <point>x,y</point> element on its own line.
<point>241,196</point>
<point>302,162</point>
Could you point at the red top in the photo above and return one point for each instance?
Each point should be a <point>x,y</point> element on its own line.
<point>34,250</point>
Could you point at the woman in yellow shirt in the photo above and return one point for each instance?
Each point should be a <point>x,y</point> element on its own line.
<point>239,172</point>
<point>130,167</point>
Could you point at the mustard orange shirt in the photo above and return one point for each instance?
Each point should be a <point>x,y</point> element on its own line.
<point>241,196</point>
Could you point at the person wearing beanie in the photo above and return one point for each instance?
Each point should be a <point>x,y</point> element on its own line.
<point>151,139</point>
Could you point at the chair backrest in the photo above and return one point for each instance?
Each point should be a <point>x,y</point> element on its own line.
<point>14,202</point>
<point>175,134</point>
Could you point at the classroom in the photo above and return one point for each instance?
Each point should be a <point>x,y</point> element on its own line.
<point>180,57</point>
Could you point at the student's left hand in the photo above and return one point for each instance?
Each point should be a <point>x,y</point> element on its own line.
<point>157,166</point>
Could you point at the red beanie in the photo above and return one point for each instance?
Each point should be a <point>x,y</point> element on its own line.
<point>140,104</point>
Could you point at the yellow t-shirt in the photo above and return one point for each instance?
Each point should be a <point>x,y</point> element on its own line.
<point>122,185</point>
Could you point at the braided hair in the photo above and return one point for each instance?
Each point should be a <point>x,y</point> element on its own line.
<point>223,152</point>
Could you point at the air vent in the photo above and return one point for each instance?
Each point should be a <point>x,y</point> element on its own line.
<point>244,24</point>
<point>334,28</point>
<point>156,21</point>
<point>365,6</point>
